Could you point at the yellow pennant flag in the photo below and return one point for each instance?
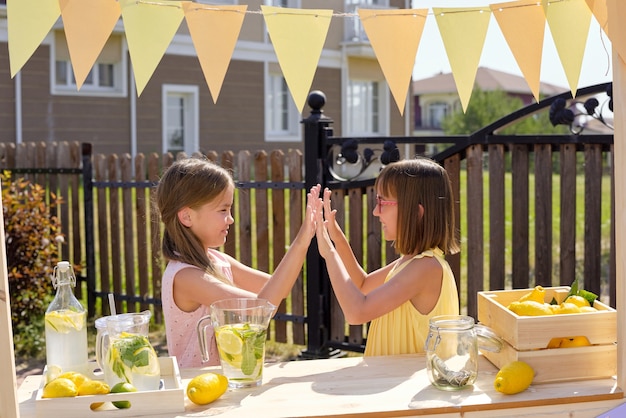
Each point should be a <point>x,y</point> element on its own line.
<point>599,10</point>
<point>150,27</point>
<point>28,23</point>
<point>298,37</point>
<point>616,18</point>
<point>523,25</point>
<point>88,24</point>
<point>395,36</point>
<point>569,23</point>
<point>463,32</point>
<point>214,31</point>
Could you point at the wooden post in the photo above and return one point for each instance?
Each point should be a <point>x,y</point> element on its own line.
<point>8,385</point>
<point>619,99</point>
<point>616,14</point>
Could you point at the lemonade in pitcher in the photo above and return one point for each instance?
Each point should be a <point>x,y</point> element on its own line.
<point>242,352</point>
<point>132,359</point>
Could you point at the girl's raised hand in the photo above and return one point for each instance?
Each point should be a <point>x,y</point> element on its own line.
<point>313,206</point>
<point>332,226</point>
<point>324,244</point>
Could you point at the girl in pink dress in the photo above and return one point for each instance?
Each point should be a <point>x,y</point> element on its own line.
<point>194,198</point>
<point>416,209</point>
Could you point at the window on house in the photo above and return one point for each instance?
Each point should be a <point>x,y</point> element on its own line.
<point>281,116</point>
<point>436,113</point>
<point>353,29</point>
<point>106,77</point>
<point>365,108</point>
<point>180,118</point>
<point>283,3</point>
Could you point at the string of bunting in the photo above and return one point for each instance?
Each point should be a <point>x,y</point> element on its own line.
<point>298,37</point>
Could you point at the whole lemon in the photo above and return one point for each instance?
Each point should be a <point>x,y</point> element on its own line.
<point>93,387</point>
<point>538,294</point>
<point>122,387</point>
<point>77,378</point>
<point>580,341</point>
<point>566,308</point>
<point>577,300</point>
<point>514,377</point>
<point>60,387</point>
<point>205,388</point>
<point>530,308</point>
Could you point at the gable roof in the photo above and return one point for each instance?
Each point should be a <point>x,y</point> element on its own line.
<point>487,79</point>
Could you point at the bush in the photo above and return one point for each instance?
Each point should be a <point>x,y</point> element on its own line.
<point>32,238</point>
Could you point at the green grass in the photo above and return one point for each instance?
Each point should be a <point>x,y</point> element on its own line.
<point>556,227</point>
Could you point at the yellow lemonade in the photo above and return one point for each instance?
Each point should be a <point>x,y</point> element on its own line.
<point>242,353</point>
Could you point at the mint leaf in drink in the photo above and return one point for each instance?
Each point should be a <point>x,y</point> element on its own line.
<point>259,344</point>
<point>248,361</point>
<point>131,351</point>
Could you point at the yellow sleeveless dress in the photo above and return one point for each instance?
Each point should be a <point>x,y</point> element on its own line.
<point>404,330</point>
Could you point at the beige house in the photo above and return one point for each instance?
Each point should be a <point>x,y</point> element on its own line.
<point>176,111</point>
<point>436,97</point>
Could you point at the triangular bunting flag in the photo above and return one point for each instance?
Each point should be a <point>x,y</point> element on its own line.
<point>298,38</point>
<point>88,24</point>
<point>616,12</point>
<point>570,44</point>
<point>395,36</point>
<point>599,10</point>
<point>28,23</point>
<point>150,27</point>
<point>463,32</point>
<point>523,25</point>
<point>214,31</point>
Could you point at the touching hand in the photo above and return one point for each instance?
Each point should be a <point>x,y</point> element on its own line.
<point>313,206</point>
<point>324,244</point>
<point>332,226</point>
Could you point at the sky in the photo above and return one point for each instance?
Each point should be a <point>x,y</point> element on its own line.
<point>431,57</point>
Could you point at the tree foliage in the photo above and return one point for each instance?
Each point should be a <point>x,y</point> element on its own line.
<point>486,107</point>
<point>32,238</point>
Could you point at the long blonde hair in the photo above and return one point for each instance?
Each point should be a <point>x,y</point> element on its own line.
<point>415,182</point>
<point>190,182</point>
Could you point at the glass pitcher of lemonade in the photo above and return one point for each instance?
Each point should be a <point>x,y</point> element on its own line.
<point>124,352</point>
<point>240,329</point>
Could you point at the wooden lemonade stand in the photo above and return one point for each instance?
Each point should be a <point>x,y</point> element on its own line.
<point>382,386</point>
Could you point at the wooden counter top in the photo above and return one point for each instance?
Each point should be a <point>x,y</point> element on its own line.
<point>381,386</point>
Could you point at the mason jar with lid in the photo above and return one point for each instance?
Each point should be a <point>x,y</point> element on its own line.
<point>452,350</point>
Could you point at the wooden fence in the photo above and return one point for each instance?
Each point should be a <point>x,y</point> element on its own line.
<point>503,178</point>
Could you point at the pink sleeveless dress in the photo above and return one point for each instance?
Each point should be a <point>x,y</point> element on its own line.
<point>180,326</point>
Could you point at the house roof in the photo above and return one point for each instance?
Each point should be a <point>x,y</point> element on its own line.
<point>487,79</point>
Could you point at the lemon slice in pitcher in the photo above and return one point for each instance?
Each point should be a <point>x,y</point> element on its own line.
<point>229,341</point>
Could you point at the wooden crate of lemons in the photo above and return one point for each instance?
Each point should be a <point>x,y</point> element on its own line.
<point>558,345</point>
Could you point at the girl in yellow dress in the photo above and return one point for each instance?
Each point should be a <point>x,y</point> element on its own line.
<point>416,209</point>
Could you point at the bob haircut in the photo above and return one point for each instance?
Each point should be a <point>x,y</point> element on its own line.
<point>420,185</point>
